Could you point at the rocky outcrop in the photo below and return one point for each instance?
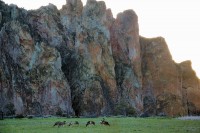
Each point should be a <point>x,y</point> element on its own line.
<point>161,80</point>
<point>167,86</point>
<point>79,60</point>
<point>190,87</point>
<point>126,53</point>
<point>89,65</point>
<point>32,81</point>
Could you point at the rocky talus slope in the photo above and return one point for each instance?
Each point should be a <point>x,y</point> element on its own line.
<point>82,61</point>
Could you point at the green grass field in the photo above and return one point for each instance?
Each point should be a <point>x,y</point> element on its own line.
<point>118,125</point>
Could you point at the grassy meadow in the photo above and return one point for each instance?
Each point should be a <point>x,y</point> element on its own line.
<point>118,125</point>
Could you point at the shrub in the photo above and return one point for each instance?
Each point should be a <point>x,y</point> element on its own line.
<point>124,109</point>
<point>19,116</point>
<point>10,109</point>
<point>59,112</point>
<point>131,111</point>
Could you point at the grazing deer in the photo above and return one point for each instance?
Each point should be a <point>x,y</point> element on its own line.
<point>103,122</point>
<point>58,123</point>
<point>75,123</point>
<point>90,123</point>
<point>69,124</point>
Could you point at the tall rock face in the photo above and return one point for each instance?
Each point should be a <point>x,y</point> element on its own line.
<point>161,80</point>
<point>168,88</point>
<point>79,60</point>
<point>126,53</point>
<point>191,88</point>
<point>32,81</point>
<point>89,66</point>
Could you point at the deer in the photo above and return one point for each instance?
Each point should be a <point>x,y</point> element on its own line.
<point>90,123</point>
<point>103,122</point>
<point>58,123</point>
<point>75,123</point>
<point>69,124</point>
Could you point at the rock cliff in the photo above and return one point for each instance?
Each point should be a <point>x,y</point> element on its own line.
<point>79,60</point>
<point>126,53</point>
<point>168,88</point>
<point>190,87</point>
<point>162,90</point>
<point>32,81</point>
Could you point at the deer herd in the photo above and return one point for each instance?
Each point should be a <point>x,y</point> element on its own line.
<point>59,123</point>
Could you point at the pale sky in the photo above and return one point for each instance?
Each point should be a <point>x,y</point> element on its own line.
<point>178,21</point>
